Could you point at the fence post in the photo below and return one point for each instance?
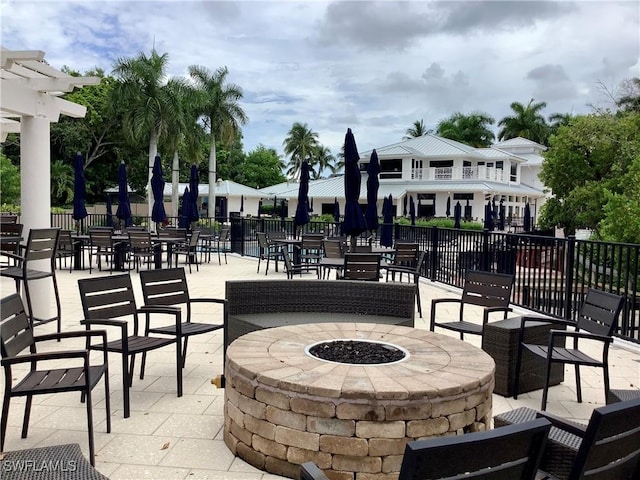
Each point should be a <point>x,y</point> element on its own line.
<point>433,259</point>
<point>486,263</point>
<point>569,269</point>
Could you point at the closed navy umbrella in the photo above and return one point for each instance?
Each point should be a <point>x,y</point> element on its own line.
<point>488,216</point>
<point>194,181</point>
<point>124,206</point>
<point>526,223</point>
<point>336,210</point>
<point>448,212</point>
<point>79,189</point>
<point>302,210</point>
<point>404,205</point>
<point>259,207</point>
<point>457,214</point>
<point>310,204</point>
<point>184,220</point>
<point>373,183</point>
<point>386,232</point>
<point>241,203</point>
<point>501,215</point>
<point>283,215</point>
<point>354,223</point>
<point>158,213</point>
<point>412,211</point>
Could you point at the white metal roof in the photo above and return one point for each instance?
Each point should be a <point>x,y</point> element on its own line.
<point>334,187</point>
<point>224,188</point>
<point>433,146</point>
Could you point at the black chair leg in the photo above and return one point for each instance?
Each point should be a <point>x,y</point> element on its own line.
<point>126,384</point>
<point>545,392</point>
<point>92,452</point>
<point>3,421</point>
<point>184,350</point>
<point>578,383</point>
<point>27,414</point>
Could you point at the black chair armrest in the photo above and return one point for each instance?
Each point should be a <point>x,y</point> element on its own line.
<point>433,308</point>
<point>489,310</point>
<point>166,309</point>
<point>37,357</point>
<point>208,300</point>
<point>310,471</point>
<point>552,320</point>
<point>587,335</point>
<point>12,255</point>
<point>445,300</point>
<point>574,428</point>
<point>72,334</point>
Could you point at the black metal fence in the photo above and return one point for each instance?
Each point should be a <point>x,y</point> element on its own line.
<point>551,274</point>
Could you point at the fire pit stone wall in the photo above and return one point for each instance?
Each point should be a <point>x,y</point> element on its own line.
<point>283,407</point>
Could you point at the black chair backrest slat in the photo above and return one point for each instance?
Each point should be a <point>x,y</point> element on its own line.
<point>167,286</point>
<point>42,244</point>
<point>599,312</point>
<point>487,289</point>
<point>108,297</point>
<point>15,330</point>
<point>362,266</point>
<point>610,447</point>
<point>494,454</point>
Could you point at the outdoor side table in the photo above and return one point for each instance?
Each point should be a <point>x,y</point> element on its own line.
<point>500,340</point>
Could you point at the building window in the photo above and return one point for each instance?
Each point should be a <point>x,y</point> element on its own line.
<point>391,168</point>
<point>514,172</point>
<point>441,163</point>
<point>463,196</point>
<point>500,165</point>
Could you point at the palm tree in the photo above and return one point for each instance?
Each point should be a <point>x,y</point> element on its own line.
<point>62,182</point>
<point>301,144</point>
<point>417,130</point>
<point>527,123</point>
<point>150,108</point>
<point>472,129</point>
<point>184,131</point>
<point>221,112</point>
<point>322,158</point>
<point>558,120</point>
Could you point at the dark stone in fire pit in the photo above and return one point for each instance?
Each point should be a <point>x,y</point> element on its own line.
<point>353,351</point>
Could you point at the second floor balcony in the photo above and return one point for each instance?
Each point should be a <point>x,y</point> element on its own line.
<point>456,173</point>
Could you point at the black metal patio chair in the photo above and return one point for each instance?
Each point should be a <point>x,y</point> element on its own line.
<point>110,302</point>
<point>512,454</point>
<point>168,286</point>
<point>19,346</point>
<point>596,323</point>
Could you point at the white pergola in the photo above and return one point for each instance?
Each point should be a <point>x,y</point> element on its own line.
<point>30,100</point>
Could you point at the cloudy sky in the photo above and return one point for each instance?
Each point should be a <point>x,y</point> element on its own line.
<point>375,67</point>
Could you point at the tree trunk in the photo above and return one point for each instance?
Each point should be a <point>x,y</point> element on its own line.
<point>153,151</point>
<point>175,176</point>
<point>212,177</point>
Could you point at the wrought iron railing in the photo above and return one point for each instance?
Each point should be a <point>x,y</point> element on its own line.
<point>551,274</point>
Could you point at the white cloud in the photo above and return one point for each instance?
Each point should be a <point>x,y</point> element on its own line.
<point>373,66</point>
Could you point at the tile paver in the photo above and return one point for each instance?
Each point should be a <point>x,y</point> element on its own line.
<point>192,425</point>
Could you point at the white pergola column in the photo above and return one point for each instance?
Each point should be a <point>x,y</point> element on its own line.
<point>35,199</point>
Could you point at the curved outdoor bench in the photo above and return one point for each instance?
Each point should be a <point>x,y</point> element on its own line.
<point>254,305</point>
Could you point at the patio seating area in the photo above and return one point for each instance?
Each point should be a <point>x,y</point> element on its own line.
<point>182,437</point>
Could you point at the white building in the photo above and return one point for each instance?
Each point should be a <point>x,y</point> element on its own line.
<point>432,169</point>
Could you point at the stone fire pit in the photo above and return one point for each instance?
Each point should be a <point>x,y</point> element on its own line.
<point>284,407</point>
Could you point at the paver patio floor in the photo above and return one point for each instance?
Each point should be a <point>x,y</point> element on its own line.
<point>181,438</point>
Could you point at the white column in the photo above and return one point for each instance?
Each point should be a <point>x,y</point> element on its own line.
<point>35,198</point>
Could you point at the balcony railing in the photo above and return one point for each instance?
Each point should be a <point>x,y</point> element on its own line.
<point>459,173</point>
